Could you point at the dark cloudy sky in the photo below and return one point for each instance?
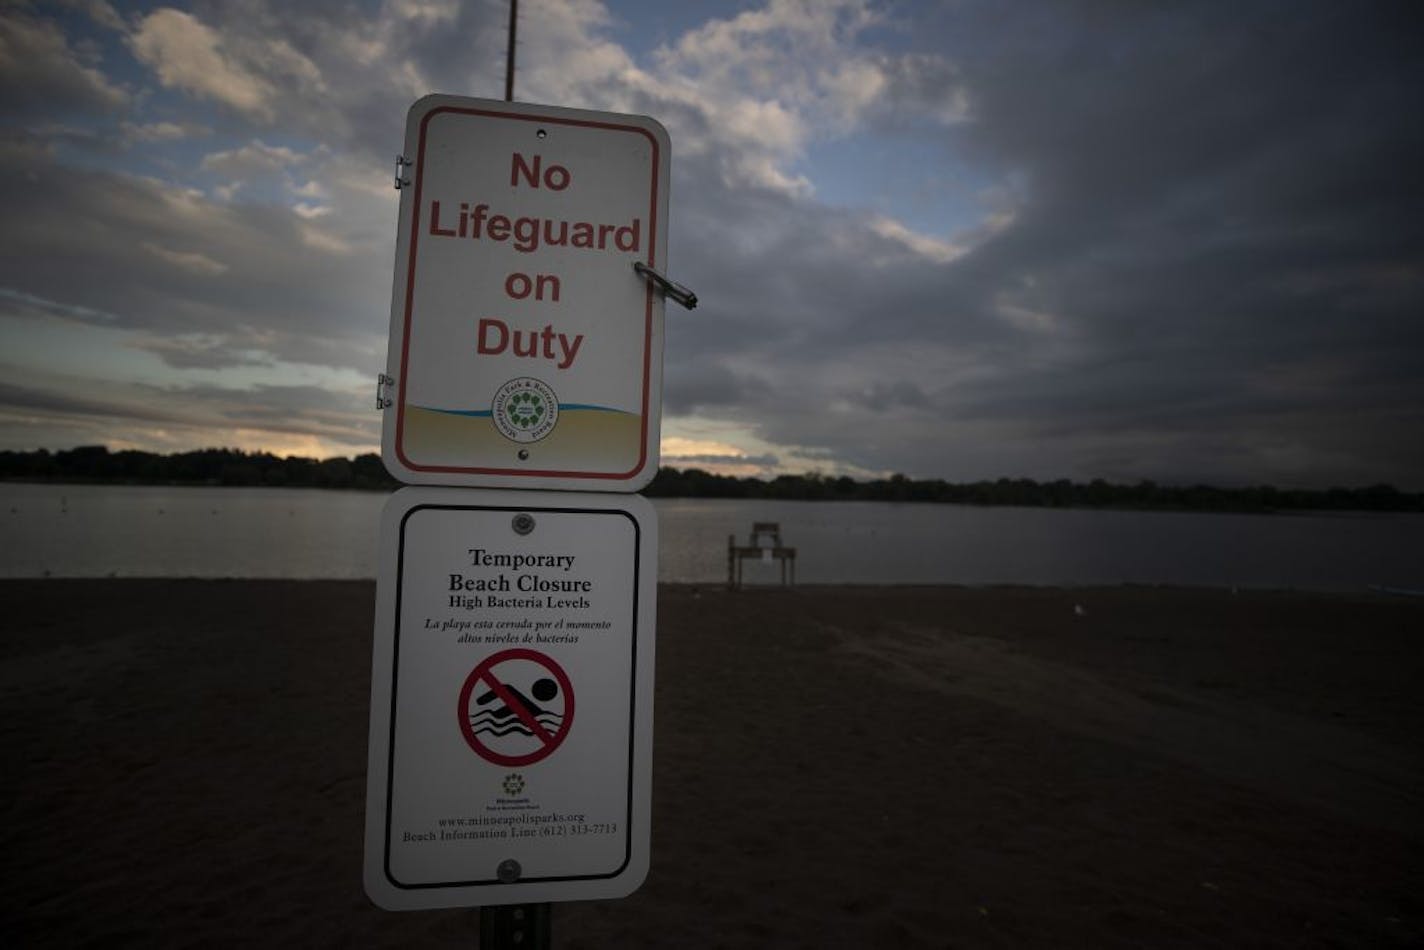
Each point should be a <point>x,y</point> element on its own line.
<point>1180,241</point>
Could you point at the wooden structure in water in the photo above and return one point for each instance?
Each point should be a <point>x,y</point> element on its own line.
<point>757,551</point>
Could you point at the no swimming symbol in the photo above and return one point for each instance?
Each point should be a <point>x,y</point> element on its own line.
<point>516,707</point>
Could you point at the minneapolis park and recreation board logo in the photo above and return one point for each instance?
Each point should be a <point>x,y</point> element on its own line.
<point>513,783</point>
<point>525,409</point>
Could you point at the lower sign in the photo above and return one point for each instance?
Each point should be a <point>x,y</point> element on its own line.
<point>511,698</point>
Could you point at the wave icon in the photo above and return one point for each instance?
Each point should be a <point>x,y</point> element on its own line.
<point>499,718</point>
<point>492,722</point>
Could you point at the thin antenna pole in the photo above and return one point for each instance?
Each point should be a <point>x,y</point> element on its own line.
<point>509,62</point>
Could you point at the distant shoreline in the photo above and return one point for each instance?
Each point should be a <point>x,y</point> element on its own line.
<point>830,589</point>
<point>365,473</point>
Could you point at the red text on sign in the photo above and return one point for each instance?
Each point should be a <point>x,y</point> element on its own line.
<point>528,234</point>
<point>556,178</point>
<point>519,286</point>
<point>495,336</point>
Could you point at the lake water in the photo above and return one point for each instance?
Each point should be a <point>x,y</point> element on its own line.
<point>141,531</point>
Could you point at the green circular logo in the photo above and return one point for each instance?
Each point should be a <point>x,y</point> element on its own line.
<point>524,409</point>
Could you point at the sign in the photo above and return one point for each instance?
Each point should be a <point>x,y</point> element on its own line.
<point>525,350</point>
<point>510,756</point>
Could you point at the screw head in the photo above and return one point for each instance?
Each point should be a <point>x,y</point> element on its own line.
<point>508,871</point>
<point>523,523</point>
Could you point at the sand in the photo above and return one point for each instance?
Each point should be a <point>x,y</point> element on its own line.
<point>184,765</point>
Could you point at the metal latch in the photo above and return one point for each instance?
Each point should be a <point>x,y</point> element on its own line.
<point>670,289</point>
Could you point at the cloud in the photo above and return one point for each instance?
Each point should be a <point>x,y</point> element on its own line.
<point>247,75</point>
<point>936,249</point>
<point>913,89</point>
<point>41,74</point>
<point>159,132</point>
<point>336,74</point>
<point>45,401</point>
<point>196,351</point>
<point>339,418</point>
<point>22,304</point>
<point>100,11</point>
<point>720,457</point>
<point>253,160</point>
<point>426,11</point>
<point>310,211</point>
<point>751,93</point>
<point>1176,235</point>
<point>315,420</point>
<point>168,260</point>
<point>186,54</point>
<point>191,261</point>
<point>1178,241</point>
<point>319,239</point>
<point>711,386</point>
<point>311,189</point>
<point>720,460</point>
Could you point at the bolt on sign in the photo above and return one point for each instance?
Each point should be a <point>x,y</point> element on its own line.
<point>524,348</point>
<point>510,756</point>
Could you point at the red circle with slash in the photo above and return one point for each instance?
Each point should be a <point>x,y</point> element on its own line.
<point>487,673</point>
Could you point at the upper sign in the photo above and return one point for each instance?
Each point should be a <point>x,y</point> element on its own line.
<point>526,352</point>
<point>511,698</point>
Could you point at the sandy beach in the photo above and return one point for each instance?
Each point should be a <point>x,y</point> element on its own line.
<point>184,765</point>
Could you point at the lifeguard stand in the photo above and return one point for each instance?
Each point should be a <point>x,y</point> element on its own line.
<point>755,550</point>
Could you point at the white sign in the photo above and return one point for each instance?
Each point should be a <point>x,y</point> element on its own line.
<point>510,755</point>
<point>526,352</point>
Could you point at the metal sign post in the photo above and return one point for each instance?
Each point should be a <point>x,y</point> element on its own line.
<point>516,927</point>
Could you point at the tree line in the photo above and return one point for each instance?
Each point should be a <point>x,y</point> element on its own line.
<point>1026,492</point>
<point>233,467</point>
<point>95,463</point>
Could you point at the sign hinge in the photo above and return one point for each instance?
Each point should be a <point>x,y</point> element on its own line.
<point>383,392</point>
<point>402,179</point>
